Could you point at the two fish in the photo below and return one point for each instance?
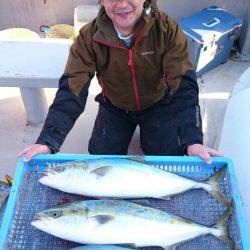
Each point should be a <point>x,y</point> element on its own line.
<point>123,222</point>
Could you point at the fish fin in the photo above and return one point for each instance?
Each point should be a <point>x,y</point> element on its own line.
<point>140,159</point>
<point>102,219</point>
<point>215,182</point>
<point>222,224</point>
<point>102,171</point>
<point>141,202</point>
<point>165,198</point>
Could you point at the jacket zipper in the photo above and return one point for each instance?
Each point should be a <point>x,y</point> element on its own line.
<point>131,65</point>
<point>132,68</point>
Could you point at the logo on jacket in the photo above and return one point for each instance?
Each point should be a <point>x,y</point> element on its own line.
<point>147,53</point>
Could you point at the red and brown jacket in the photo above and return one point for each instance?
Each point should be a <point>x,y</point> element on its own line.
<point>132,78</point>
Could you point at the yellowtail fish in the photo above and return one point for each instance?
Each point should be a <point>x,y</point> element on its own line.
<point>125,178</point>
<point>123,222</point>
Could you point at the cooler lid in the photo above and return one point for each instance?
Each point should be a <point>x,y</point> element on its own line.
<point>209,23</point>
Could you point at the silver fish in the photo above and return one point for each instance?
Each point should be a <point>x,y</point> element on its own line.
<point>122,222</point>
<point>125,178</point>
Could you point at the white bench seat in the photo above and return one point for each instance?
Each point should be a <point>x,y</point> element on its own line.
<point>31,66</point>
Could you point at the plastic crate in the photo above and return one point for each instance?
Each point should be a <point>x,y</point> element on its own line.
<point>28,197</point>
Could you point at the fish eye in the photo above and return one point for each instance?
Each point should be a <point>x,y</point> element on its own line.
<point>55,214</point>
<point>59,169</point>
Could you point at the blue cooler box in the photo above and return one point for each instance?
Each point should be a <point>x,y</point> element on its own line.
<point>211,34</point>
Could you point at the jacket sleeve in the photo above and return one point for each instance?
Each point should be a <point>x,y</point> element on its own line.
<point>184,91</point>
<point>71,97</point>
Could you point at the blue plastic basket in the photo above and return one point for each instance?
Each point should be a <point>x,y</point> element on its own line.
<point>28,197</point>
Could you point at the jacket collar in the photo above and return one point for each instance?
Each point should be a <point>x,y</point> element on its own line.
<point>106,32</point>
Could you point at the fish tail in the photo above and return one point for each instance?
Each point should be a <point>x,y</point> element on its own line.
<point>222,229</point>
<point>214,187</point>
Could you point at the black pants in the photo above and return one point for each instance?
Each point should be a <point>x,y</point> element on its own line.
<point>114,129</point>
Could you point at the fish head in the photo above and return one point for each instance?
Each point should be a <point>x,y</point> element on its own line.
<point>61,175</point>
<point>61,220</point>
